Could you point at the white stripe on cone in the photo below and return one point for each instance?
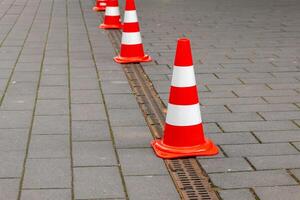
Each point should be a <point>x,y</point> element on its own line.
<point>112,11</point>
<point>131,38</point>
<point>130,16</point>
<point>183,77</point>
<point>183,115</point>
<point>102,4</point>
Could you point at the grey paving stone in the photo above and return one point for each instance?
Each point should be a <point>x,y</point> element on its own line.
<point>151,187</point>
<point>56,92</point>
<point>55,69</point>
<point>225,165</point>
<point>49,194</point>
<point>93,154</point>
<point>259,149</point>
<point>232,101</point>
<point>279,193</point>
<point>141,162</point>
<point>252,179</point>
<point>258,126</point>
<point>238,194</point>
<point>52,107</point>
<point>126,117</point>
<point>263,107</point>
<point>231,117</point>
<point>9,188</point>
<point>18,102</point>
<point>290,115</point>
<point>275,162</point>
<point>233,138</point>
<point>121,101</point>
<point>84,83</point>
<point>296,173</point>
<point>90,130</point>
<point>13,139</point>
<point>97,182</point>
<point>47,173</point>
<point>278,136</point>
<point>88,112</point>
<point>49,146</point>
<point>211,128</point>
<point>116,87</point>
<point>15,119</point>
<point>86,96</point>
<point>132,137</point>
<point>11,164</point>
<point>55,124</point>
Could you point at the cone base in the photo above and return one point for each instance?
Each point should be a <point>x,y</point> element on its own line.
<point>109,26</point>
<point>123,60</point>
<point>165,151</point>
<point>98,9</point>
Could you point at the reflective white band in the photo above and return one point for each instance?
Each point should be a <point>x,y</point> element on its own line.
<point>131,38</point>
<point>112,11</point>
<point>130,16</point>
<point>183,76</point>
<point>183,115</point>
<point>102,4</point>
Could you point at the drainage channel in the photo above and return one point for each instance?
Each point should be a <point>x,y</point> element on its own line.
<point>187,174</point>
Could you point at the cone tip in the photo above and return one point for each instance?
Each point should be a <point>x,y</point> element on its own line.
<point>183,55</point>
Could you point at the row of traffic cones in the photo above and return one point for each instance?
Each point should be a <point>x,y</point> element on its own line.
<point>183,132</point>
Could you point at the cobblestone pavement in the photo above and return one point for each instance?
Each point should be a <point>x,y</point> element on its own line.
<point>71,129</point>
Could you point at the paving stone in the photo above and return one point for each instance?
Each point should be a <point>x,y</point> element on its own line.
<point>97,182</point>
<point>11,164</point>
<point>86,96</point>
<point>15,119</point>
<point>88,112</point>
<point>146,188</point>
<point>132,137</point>
<point>259,149</point>
<point>120,101</point>
<point>116,87</point>
<point>52,107</point>
<point>18,102</point>
<point>13,139</point>
<point>263,107</point>
<point>90,130</point>
<point>93,154</point>
<point>51,124</point>
<point>141,162</point>
<point>258,126</point>
<point>278,136</point>
<point>47,173</point>
<point>49,146</point>
<point>281,115</point>
<point>279,193</point>
<point>9,188</point>
<point>238,194</point>
<point>233,138</point>
<point>84,83</point>
<point>296,173</point>
<point>231,117</point>
<point>126,117</point>
<point>49,194</point>
<point>275,162</point>
<point>57,92</point>
<point>225,165</point>
<point>252,179</point>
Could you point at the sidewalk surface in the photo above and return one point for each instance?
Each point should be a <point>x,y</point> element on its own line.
<point>70,127</point>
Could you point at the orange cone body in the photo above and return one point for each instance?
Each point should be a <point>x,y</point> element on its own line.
<point>100,5</point>
<point>183,134</point>
<point>112,15</point>
<point>131,50</point>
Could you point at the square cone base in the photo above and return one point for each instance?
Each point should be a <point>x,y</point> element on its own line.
<point>107,26</point>
<point>98,9</point>
<point>165,151</point>
<point>124,60</point>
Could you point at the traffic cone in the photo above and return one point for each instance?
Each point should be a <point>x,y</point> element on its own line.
<point>99,5</point>
<point>131,50</point>
<point>112,15</point>
<point>183,134</point>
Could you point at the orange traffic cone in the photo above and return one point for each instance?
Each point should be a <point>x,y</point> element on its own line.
<point>99,5</point>
<point>131,48</point>
<point>112,15</point>
<point>183,134</point>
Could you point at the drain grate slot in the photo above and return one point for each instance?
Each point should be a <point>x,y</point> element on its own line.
<point>186,173</point>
